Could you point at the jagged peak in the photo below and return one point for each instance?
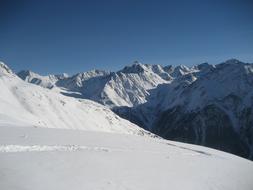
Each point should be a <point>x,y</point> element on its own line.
<point>61,76</point>
<point>136,67</point>
<point>179,70</point>
<point>90,74</point>
<point>203,66</point>
<point>137,62</point>
<point>233,61</point>
<point>26,73</point>
<point>168,68</point>
<point>157,68</point>
<point>231,64</point>
<point>182,67</point>
<point>97,72</point>
<point>4,69</point>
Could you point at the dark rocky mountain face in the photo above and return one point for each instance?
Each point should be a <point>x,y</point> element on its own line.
<point>210,127</point>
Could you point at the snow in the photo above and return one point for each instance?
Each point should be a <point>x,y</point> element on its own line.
<point>43,158</point>
<point>127,87</point>
<point>200,86</point>
<point>132,85</point>
<point>41,148</point>
<point>51,141</point>
<point>26,104</point>
<point>44,81</point>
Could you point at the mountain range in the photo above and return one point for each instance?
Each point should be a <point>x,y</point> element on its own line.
<point>53,137</point>
<point>25,104</point>
<point>209,105</point>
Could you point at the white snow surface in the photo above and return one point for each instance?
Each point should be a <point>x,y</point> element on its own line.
<point>43,158</point>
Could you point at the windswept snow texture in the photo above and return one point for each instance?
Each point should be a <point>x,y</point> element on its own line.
<point>43,158</point>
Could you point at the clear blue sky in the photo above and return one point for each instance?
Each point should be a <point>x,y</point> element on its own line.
<point>55,36</point>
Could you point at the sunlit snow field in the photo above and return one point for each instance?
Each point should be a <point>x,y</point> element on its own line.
<point>41,158</point>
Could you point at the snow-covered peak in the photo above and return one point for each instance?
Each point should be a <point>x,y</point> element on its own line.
<point>4,69</point>
<point>61,76</point>
<point>232,61</point>
<point>232,64</point>
<point>25,74</point>
<point>157,68</point>
<point>44,81</point>
<point>180,71</point>
<point>203,66</point>
<point>136,67</point>
<point>235,69</point>
<point>168,68</point>
<point>229,78</point>
<point>90,74</point>
<point>183,68</point>
<point>146,69</point>
<point>79,80</point>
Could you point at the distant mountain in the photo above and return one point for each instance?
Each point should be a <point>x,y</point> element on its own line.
<point>44,81</point>
<point>127,87</point>
<point>25,104</point>
<point>210,105</point>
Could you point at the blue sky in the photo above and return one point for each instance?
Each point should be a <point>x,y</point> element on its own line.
<point>55,36</point>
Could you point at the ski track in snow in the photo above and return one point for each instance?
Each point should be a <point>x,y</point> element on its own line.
<point>46,148</point>
<point>192,150</point>
<point>73,148</point>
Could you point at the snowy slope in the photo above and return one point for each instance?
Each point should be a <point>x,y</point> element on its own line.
<point>22,103</point>
<point>43,158</point>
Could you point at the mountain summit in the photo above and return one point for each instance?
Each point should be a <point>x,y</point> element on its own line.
<point>4,69</point>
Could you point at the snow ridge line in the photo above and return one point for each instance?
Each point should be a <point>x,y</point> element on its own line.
<point>44,148</point>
